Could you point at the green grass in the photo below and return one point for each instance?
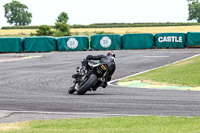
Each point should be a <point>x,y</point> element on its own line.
<point>184,73</point>
<point>136,124</point>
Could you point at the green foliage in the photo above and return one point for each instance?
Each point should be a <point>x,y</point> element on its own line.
<point>32,34</point>
<point>76,33</point>
<point>62,18</point>
<point>194,11</point>
<point>20,27</point>
<point>102,32</point>
<point>17,13</point>
<point>58,33</point>
<point>44,30</point>
<point>193,0</point>
<point>123,25</point>
<point>62,29</point>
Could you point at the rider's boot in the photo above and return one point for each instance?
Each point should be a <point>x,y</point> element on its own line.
<point>104,84</point>
<point>77,74</point>
<point>94,88</point>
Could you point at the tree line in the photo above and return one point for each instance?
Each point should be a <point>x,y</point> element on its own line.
<point>18,14</point>
<point>109,25</point>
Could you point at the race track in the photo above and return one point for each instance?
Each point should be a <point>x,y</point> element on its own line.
<point>36,88</point>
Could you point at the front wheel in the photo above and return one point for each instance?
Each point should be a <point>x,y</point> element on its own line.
<point>72,89</point>
<point>87,85</point>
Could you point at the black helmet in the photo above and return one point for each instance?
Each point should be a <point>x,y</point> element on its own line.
<point>111,54</point>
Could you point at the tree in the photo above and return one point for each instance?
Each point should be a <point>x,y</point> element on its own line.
<point>62,28</point>
<point>62,18</point>
<point>193,0</point>
<point>194,10</point>
<point>44,30</point>
<point>17,13</point>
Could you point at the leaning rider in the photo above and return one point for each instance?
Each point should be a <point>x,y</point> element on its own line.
<point>109,59</point>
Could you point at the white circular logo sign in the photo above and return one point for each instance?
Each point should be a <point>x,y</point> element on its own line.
<point>72,43</point>
<point>105,42</point>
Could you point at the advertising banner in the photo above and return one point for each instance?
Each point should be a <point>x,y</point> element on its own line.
<point>170,40</point>
<point>76,43</point>
<point>106,42</point>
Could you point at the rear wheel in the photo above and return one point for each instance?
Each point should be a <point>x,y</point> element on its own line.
<point>87,85</point>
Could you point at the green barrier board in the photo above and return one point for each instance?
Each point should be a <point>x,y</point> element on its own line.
<point>106,42</point>
<point>193,38</point>
<point>138,41</point>
<point>170,40</point>
<point>11,45</point>
<point>78,43</point>
<point>39,44</point>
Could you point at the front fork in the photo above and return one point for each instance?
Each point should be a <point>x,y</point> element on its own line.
<point>77,82</point>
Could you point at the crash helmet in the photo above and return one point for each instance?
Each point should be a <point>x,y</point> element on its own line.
<point>111,54</point>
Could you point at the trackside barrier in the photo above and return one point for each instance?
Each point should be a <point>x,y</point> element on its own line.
<point>170,40</point>
<point>40,44</point>
<point>193,38</point>
<point>106,42</point>
<point>11,44</point>
<point>100,42</point>
<point>76,43</point>
<point>138,41</point>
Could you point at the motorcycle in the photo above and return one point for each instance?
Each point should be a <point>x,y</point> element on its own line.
<point>90,80</point>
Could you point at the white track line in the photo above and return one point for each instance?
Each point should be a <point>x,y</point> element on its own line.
<point>18,59</point>
<point>10,112</point>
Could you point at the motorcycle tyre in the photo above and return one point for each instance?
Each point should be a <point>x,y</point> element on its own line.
<point>71,90</point>
<point>88,84</point>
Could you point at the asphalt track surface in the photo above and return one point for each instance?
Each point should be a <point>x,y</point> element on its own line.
<point>37,88</point>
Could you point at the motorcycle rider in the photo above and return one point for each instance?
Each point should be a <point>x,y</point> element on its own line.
<point>109,59</point>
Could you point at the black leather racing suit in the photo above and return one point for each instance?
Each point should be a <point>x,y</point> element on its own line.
<point>103,59</point>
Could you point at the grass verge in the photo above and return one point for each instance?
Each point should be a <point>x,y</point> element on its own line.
<point>136,124</point>
<point>184,73</point>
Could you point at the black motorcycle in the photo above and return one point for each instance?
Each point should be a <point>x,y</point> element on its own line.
<point>90,80</point>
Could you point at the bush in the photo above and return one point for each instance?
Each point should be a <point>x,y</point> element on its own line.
<point>62,29</point>
<point>44,30</point>
<point>58,33</point>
